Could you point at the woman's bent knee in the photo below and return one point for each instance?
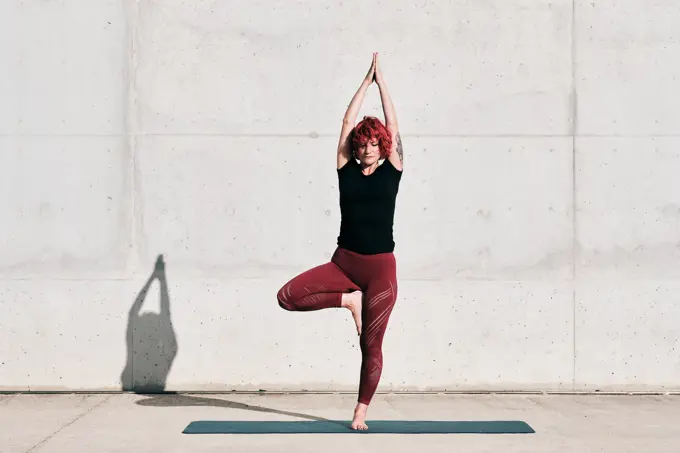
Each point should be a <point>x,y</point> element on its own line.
<point>282,299</point>
<point>285,305</point>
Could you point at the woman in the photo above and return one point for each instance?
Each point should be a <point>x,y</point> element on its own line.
<point>361,275</point>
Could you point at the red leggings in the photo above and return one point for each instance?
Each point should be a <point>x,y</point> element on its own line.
<point>322,287</point>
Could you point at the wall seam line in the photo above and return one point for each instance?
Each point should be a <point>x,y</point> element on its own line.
<point>574,121</point>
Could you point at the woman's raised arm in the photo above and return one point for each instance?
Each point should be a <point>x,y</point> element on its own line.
<point>344,147</point>
<point>396,156</point>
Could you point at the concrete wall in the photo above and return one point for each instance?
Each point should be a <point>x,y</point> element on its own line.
<point>538,222</point>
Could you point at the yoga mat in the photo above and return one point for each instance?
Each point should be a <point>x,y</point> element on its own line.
<point>374,427</point>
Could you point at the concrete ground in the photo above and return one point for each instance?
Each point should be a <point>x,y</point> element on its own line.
<point>62,423</point>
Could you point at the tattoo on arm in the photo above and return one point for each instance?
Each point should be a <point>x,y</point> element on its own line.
<point>400,150</point>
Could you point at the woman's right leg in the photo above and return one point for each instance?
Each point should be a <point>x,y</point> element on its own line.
<point>318,288</point>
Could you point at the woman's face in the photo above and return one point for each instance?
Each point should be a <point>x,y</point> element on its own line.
<point>369,153</point>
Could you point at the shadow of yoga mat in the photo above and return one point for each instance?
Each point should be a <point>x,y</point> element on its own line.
<point>374,427</point>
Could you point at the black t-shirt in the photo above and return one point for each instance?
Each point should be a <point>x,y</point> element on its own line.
<point>367,207</point>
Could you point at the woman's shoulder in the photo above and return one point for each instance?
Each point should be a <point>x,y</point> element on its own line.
<point>388,163</point>
<point>351,162</point>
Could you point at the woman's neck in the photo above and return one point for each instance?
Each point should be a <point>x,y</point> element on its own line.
<point>368,169</point>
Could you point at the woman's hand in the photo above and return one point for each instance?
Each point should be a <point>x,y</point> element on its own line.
<point>378,76</point>
<point>370,77</point>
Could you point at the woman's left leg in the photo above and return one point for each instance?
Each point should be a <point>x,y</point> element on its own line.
<point>378,304</point>
<point>379,301</point>
<point>376,275</point>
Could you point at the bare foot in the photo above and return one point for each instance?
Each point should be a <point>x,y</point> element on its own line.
<point>359,421</point>
<point>352,301</point>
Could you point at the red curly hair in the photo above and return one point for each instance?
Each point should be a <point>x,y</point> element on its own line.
<point>371,127</point>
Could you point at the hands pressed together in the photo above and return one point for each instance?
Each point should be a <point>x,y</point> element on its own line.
<point>374,72</point>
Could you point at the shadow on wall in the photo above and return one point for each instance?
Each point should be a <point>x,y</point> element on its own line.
<point>151,340</point>
<point>151,349</point>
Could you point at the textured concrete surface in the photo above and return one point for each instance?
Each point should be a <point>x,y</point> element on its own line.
<point>538,221</point>
<point>117,423</point>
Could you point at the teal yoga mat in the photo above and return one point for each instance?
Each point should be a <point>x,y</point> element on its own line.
<point>374,427</point>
